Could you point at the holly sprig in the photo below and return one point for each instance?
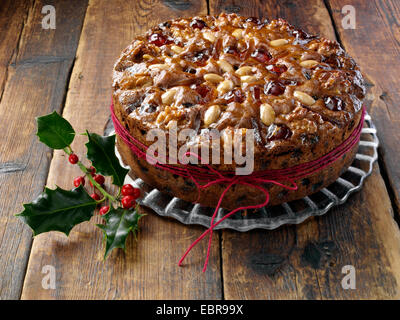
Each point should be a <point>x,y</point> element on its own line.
<point>61,210</point>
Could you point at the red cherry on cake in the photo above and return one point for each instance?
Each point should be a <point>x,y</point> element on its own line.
<point>261,55</point>
<point>79,181</point>
<point>235,95</point>
<point>159,39</point>
<point>279,132</point>
<point>274,88</point>
<point>198,24</point>
<point>231,50</point>
<point>253,20</point>
<point>256,92</point>
<point>276,68</point>
<point>73,158</point>
<point>128,202</point>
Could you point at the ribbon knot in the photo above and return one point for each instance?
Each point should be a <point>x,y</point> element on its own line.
<point>229,181</point>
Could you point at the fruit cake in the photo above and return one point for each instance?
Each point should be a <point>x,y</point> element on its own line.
<point>301,94</point>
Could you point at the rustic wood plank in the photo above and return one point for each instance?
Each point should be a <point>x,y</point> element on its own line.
<point>13,15</point>
<point>375,46</point>
<point>305,261</point>
<point>149,267</point>
<point>35,85</point>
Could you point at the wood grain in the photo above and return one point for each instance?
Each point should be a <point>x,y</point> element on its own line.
<point>375,45</point>
<point>34,86</point>
<point>149,268</point>
<point>13,15</point>
<point>293,262</point>
<point>305,261</point>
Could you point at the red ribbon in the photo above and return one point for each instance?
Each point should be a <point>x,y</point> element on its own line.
<point>211,176</point>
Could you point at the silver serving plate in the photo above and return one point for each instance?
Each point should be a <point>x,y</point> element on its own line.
<point>293,212</point>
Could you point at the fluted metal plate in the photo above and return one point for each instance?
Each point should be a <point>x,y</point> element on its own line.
<point>294,212</point>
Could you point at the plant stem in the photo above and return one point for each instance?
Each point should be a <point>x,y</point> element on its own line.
<point>68,151</point>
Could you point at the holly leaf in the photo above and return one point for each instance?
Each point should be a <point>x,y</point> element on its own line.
<point>54,131</point>
<point>119,223</point>
<point>101,151</point>
<point>58,210</point>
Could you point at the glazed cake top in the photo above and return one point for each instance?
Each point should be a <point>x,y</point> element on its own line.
<point>229,72</point>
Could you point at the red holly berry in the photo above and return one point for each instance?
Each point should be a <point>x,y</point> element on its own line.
<point>95,196</point>
<point>104,210</point>
<point>92,170</point>
<point>99,179</point>
<point>73,158</point>
<point>79,181</point>
<point>136,193</point>
<point>128,202</point>
<point>129,190</point>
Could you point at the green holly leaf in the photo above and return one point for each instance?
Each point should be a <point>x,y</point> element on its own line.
<point>54,131</point>
<point>58,210</point>
<point>119,223</point>
<point>101,151</point>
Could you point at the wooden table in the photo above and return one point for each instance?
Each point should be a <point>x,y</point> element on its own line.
<point>68,69</point>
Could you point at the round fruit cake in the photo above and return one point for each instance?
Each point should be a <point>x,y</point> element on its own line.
<point>301,94</point>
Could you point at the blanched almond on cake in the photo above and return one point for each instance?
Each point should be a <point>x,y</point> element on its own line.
<point>159,66</point>
<point>168,96</point>
<point>267,114</point>
<point>304,98</point>
<point>208,35</point>
<point>225,66</point>
<point>248,79</point>
<point>225,86</point>
<point>144,81</point>
<point>243,71</point>
<point>309,63</point>
<point>238,33</point>
<point>213,77</point>
<point>176,49</point>
<point>211,115</point>
<point>278,42</point>
<point>147,56</point>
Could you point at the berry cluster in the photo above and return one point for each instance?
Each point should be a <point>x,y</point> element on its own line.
<point>129,193</point>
